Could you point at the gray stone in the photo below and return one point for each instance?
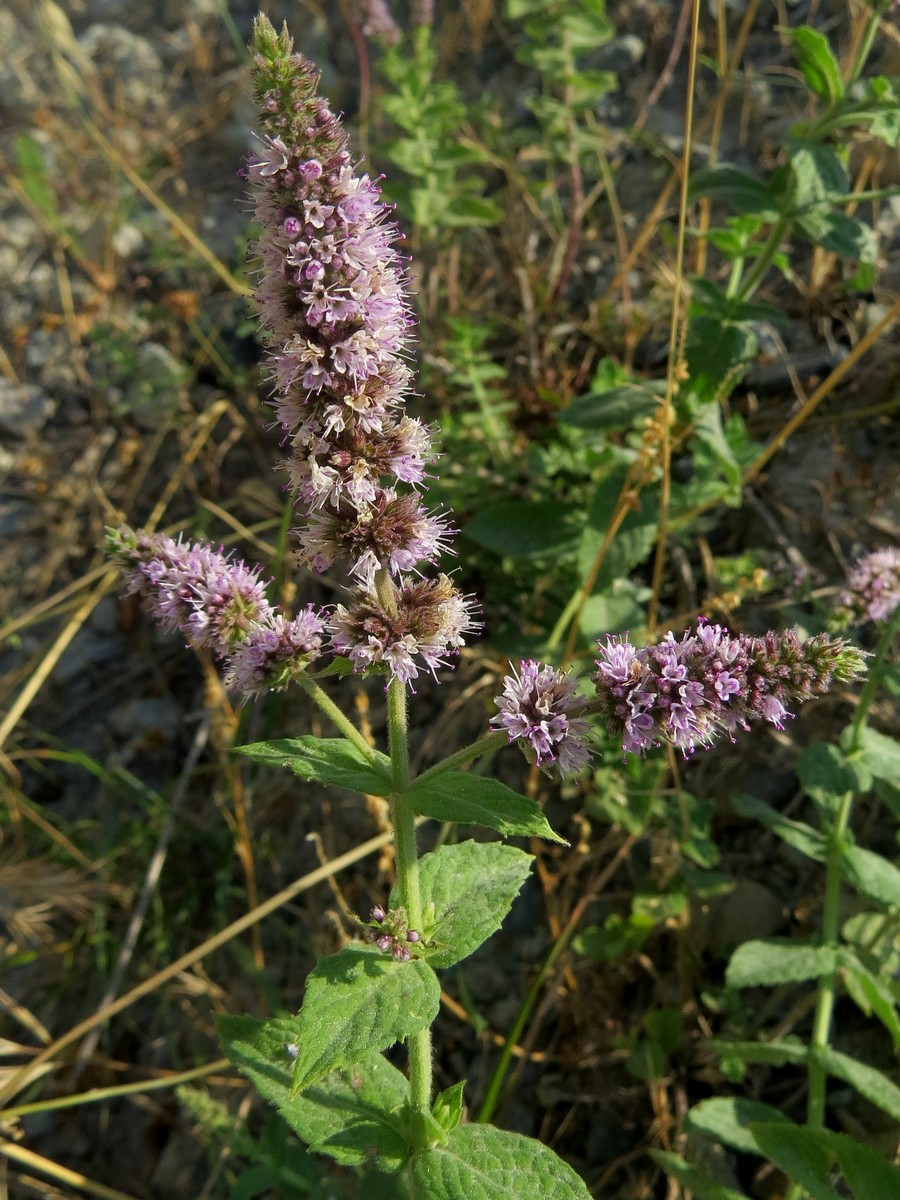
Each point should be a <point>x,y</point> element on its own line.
<point>130,66</point>
<point>152,392</point>
<point>141,716</point>
<point>24,408</point>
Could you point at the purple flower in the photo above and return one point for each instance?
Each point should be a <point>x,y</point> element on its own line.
<point>429,621</point>
<point>536,709</point>
<point>219,602</point>
<point>873,587</point>
<point>689,690</point>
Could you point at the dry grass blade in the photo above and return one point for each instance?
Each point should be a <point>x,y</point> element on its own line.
<point>20,1079</point>
<point>62,1174</point>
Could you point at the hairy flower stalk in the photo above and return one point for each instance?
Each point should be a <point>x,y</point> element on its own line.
<point>219,602</point>
<point>873,588</point>
<point>335,311</point>
<point>689,690</point>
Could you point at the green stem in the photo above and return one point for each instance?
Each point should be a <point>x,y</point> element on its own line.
<point>873,681</point>
<point>343,723</point>
<point>485,745</point>
<point>821,1033</point>
<point>492,1096</point>
<point>754,276</point>
<point>865,47</point>
<point>834,877</point>
<point>407,865</point>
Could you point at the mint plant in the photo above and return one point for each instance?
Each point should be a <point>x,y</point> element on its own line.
<point>837,961</point>
<point>335,313</point>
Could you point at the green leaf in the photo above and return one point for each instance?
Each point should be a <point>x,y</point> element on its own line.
<point>744,192</point>
<point>728,1118</point>
<point>868,1081</point>
<point>352,1115</point>
<point>473,211</point>
<point>872,876</point>
<point>481,1162</point>
<point>827,774</point>
<point>633,541</point>
<point>880,754</point>
<point>357,1001</point>
<point>447,1109</point>
<point>774,1053</point>
<point>693,1179</point>
<point>472,887</point>
<point>800,836</point>
<point>614,409</point>
<point>325,760</point>
<point>866,1170</point>
<point>710,430</point>
<point>802,1153</point>
<point>771,961</point>
<point>526,529</point>
<point>815,59</point>
<point>619,607</point>
<point>35,176</point>
<point>816,174</point>
<point>472,800</point>
<point>870,993</point>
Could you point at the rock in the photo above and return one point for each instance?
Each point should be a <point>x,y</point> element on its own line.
<point>129,65</point>
<point>155,716</point>
<point>151,392</point>
<point>24,408</point>
<point>618,55</point>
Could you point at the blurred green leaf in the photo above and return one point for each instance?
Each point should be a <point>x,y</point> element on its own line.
<point>815,58</point>
<point>728,1118</point>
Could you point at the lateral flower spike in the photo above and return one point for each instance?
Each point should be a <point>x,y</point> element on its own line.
<point>690,690</point>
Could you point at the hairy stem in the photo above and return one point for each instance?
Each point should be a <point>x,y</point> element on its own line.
<point>408,886</point>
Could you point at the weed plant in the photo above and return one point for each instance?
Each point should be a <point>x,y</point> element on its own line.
<point>695,992</point>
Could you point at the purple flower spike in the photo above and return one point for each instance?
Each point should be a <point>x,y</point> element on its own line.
<point>219,602</point>
<point>687,691</point>
<point>536,709</point>
<point>335,309</point>
<point>873,587</point>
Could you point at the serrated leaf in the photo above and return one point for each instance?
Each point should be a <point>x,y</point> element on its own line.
<point>694,1179</point>
<point>870,994</point>
<point>770,961</point>
<point>802,1153</point>
<point>526,529</point>
<point>481,1162</point>
<point>816,60</point>
<point>351,1115</point>
<point>728,1118</point>
<point>868,1081</point>
<point>800,836</point>
<point>472,886</point>
<point>872,875</point>
<point>472,800</point>
<point>775,1053</point>
<point>325,760</point>
<point>866,1170</point>
<point>357,1001</point>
